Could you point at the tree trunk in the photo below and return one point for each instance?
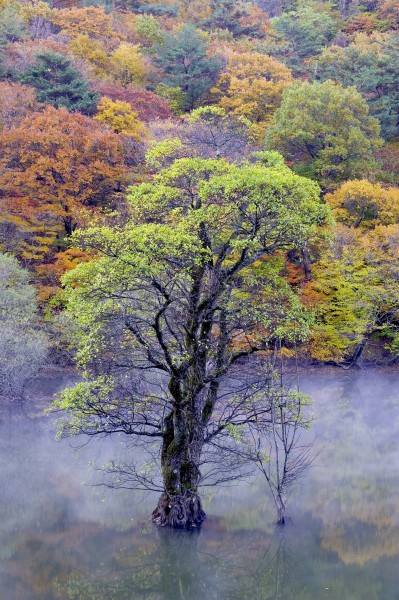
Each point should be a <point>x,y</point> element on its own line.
<point>193,403</point>
<point>306,264</point>
<point>180,505</point>
<point>280,506</point>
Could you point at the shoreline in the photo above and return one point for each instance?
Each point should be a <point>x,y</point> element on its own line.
<point>55,371</point>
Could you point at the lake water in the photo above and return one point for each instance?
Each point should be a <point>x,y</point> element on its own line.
<point>63,539</point>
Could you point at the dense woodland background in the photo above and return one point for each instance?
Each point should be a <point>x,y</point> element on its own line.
<point>97,97</point>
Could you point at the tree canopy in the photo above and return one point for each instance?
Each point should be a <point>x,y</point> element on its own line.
<point>326,130</point>
<point>54,166</point>
<point>59,84</point>
<point>183,57</point>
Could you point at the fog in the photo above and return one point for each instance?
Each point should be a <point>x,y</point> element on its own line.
<point>62,536</point>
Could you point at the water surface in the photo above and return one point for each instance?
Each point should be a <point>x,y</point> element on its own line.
<point>62,539</point>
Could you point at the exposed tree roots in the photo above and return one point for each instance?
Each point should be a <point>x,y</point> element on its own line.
<point>180,512</point>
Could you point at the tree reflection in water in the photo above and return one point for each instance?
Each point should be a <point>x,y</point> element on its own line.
<point>260,567</point>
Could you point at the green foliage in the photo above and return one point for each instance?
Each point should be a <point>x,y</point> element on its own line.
<point>354,293</point>
<point>59,84</point>
<point>306,30</point>
<point>159,9</point>
<point>163,239</point>
<point>147,27</point>
<point>270,158</point>
<point>342,305</point>
<point>12,28</point>
<point>160,152</point>
<point>227,15</point>
<point>373,70</point>
<point>22,348</point>
<point>124,5</point>
<point>186,65</point>
<point>175,96</point>
<point>326,130</point>
<point>17,296</point>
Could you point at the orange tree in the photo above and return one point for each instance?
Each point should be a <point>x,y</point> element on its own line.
<point>54,168</point>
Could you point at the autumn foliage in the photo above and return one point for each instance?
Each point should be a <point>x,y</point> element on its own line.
<point>17,101</point>
<point>251,86</point>
<point>56,168</point>
<point>149,106</point>
<point>309,84</point>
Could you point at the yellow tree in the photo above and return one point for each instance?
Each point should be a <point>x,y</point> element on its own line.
<point>128,64</point>
<point>251,86</point>
<point>93,51</point>
<point>90,20</point>
<point>36,14</point>
<point>121,118</point>
<point>360,203</point>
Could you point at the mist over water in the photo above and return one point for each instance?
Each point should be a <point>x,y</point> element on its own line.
<point>61,538</point>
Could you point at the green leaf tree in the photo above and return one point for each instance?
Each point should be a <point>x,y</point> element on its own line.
<point>178,299</point>
<point>186,65</point>
<point>326,130</point>
<point>372,68</point>
<point>59,84</point>
<point>228,14</point>
<point>307,29</point>
<point>12,28</point>
<point>22,347</point>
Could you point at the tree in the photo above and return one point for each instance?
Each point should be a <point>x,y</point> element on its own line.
<point>36,16</point>
<point>364,204</point>
<point>307,30</point>
<point>55,167</point>
<point>354,294</point>
<point>388,159</point>
<point>186,291</point>
<point>341,302</point>
<point>120,117</point>
<point>213,133</point>
<point>326,130</point>
<point>93,52</point>
<point>59,84</point>
<point>128,65</point>
<point>149,106</point>
<point>88,20</point>
<point>389,10</point>
<point>186,65</point>
<point>206,132</point>
<point>16,102</point>
<point>148,30</point>
<point>22,347</point>
<point>285,460</point>
<point>370,65</point>
<point>12,27</point>
<point>276,447</point>
<point>252,86</point>
<point>230,15</point>
<point>275,7</point>
<point>17,57</point>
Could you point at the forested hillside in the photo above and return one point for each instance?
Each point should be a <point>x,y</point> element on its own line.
<point>110,112</point>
